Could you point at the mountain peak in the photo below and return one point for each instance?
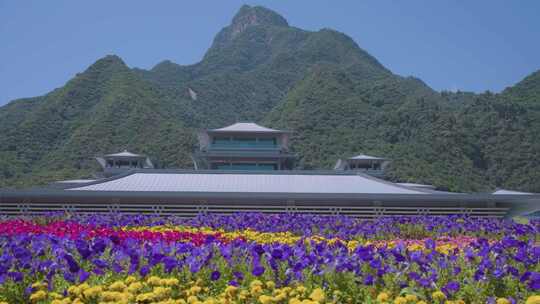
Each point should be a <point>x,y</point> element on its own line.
<point>108,62</point>
<point>527,89</point>
<point>255,15</point>
<point>111,60</point>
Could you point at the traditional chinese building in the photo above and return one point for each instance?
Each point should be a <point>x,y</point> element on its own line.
<point>244,146</point>
<point>371,165</point>
<point>117,163</point>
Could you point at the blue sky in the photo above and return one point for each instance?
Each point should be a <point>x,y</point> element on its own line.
<point>466,45</point>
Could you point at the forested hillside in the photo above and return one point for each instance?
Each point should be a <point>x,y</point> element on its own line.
<point>336,98</point>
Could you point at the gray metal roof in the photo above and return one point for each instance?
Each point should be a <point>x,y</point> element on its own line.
<point>504,191</point>
<point>415,185</point>
<point>246,127</point>
<point>249,183</point>
<point>125,153</point>
<point>366,157</point>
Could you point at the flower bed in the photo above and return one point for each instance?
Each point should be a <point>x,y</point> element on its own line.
<point>255,258</point>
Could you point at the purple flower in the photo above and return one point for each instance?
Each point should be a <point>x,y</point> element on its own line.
<point>534,281</point>
<point>238,275</point>
<point>413,275</point>
<point>257,270</point>
<point>83,276</point>
<point>99,263</point>
<point>215,275</point>
<point>369,280</point>
<point>277,254</point>
<point>258,249</point>
<point>72,264</point>
<point>451,287</point>
<point>144,270</point>
<point>375,264</point>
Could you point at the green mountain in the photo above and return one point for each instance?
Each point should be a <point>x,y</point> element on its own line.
<point>338,99</point>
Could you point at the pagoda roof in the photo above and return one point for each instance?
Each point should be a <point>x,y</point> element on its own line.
<point>366,157</point>
<point>247,127</point>
<point>125,153</point>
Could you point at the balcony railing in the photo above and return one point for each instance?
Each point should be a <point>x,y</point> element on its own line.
<point>257,146</point>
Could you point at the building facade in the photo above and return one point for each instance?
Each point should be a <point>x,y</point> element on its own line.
<point>118,163</point>
<point>367,164</point>
<point>244,146</point>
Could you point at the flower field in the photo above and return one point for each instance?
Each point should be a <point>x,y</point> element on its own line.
<point>256,258</point>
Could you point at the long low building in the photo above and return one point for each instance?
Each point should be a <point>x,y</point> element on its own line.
<point>248,167</point>
<point>189,192</point>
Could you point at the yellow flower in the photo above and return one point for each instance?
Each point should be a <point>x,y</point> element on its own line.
<point>438,295</point>
<point>280,296</point>
<point>145,297</point>
<point>38,296</point>
<point>301,289</point>
<point>421,302</point>
<point>153,281</point>
<point>270,284</point>
<point>231,290</point>
<point>170,282</point>
<point>161,292</point>
<point>317,295</point>
<point>255,283</point>
<point>39,285</point>
<point>130,279</point>
<point>134,287</point>
<point>92,292</point>
<point>264,299</point>
<point>256,290</point>
<point>243,294</point>
<point>73,291</point>
<point>503,301</point>
<point>411,298</point>
<point>195,290</point>
<point>383,297</point>
<point>117,286</point>
<point>192,300</point>
<point>400,300</point>
<point>294,301</point>
<point>533,299</point>
<point>112,295</point>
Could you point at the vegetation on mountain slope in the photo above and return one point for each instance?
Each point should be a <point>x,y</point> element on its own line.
<point>336,98</point>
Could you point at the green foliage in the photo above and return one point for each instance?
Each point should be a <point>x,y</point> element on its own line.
<point>336,98</point>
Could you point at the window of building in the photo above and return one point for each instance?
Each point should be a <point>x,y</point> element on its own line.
<point>267,142</point>
<point>123,163</point>
<point>221,166</point>
<point>244,166</point>
<point>267,167</point>
<point>245,142</point>
<point>221,140</point>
